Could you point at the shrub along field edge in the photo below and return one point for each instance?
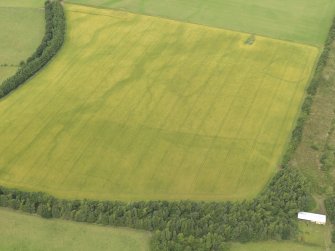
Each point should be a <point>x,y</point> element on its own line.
<point>51,43</point>
<point>307,104</point>
<point>330,208</point>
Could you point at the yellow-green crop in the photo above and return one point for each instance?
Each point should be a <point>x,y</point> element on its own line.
<point>137,108</point>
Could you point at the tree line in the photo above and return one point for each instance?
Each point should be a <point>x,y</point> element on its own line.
<point>311,91</point>
<point>330,208</point>
<point>184,225</point>
<point>327,158</point>
<point>52,41</point>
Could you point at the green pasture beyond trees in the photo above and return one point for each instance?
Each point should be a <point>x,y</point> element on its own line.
<point>305,21</point>
<point>23,4</point>
<point>21,32</point>
<point>52,41</point>
<point>311,237</point>
<point>30,233</point>
<point>129,110</point>
<point>275,246</point>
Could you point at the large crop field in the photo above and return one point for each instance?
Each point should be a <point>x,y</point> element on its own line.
<point>22,27</point>
<point>29,233</point>
<point>137,107</point>
<point>296,20</point>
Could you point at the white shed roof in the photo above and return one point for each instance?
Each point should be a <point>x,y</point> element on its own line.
<point>312,217</point>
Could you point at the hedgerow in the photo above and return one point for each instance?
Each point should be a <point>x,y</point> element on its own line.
<point>307,104</point>
<point>330,208</point>
<point>184,225</point>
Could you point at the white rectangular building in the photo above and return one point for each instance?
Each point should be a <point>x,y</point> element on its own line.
<point>315,218</point>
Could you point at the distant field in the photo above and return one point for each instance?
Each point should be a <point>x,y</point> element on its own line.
<point>21,32</point>
<point>31,233</point>
<point>22,3</point>
<point>275,246</point>
<point>311,237</point>
<point>297,20</point>
<point>137,107</point>
<point>6,72</point>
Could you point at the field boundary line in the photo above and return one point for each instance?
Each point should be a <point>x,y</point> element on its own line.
<point>318,46</point>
